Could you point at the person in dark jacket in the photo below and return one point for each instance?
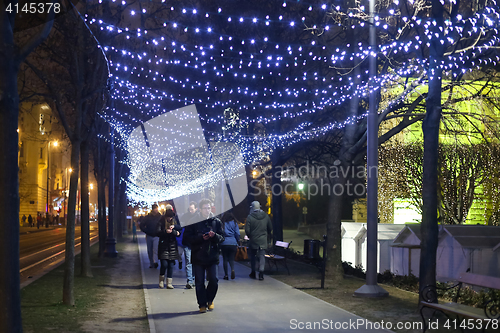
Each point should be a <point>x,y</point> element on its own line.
<point>148,225</point>
<point>167,232</point>
<point>185,218</point>
<point>258,228</point>
<point>230,244</point>
<point>204,238</point>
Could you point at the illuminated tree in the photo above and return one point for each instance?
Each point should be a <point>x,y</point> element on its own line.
<point>300,70</point>
<point>467,172</point>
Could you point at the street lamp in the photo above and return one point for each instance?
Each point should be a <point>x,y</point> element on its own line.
<point>371,288</point>
<point>91,187</point>
<point>66,191</point>
<point>55,144</point>
<point>300,187</point>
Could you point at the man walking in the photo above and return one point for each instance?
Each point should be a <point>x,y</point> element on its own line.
<point>185,218</point>
<point>204,238</point>
<point>258,229</point>
<point>148,226</point>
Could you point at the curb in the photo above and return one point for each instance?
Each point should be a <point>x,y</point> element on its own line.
<point>152,327</point>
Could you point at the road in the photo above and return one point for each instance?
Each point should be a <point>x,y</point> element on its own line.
<point>43,250</point>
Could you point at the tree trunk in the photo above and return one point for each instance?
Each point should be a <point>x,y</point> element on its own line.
<point>69,265</point>
<point>117,204</point>
<point>276,192</point>
<point>123,206</point>
<point>101,196</point>
<point>10,298</point>
<point>85,230</point>
<point>334,268</point>
<point>430,127</point>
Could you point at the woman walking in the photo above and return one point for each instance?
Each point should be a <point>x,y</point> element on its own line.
<point>230,244</point>
<point>167,246</point>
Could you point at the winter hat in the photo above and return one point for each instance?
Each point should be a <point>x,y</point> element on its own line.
<point>169,207</point>
<point>255,205</point>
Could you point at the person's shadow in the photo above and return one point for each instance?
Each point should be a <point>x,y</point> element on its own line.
<point>157,316</point>
<point>174,315</point>
<point>139,286</point>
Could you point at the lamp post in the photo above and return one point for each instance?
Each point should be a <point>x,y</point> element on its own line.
<point>66,192</point>
<point>91,187</point>
<point>371,288</point>
<point>300,187</point>
<point>48,175</point>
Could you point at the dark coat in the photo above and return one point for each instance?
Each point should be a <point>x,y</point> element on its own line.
<point>167,245</point>
<point>258,228</point>
<point>185,218</point>
<point>204,252</point>
<point>149,224</point>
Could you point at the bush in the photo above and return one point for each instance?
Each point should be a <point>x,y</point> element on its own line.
<point>409,283</point>
<point>406,282</point>
<point>468,296</point>
<point>353,271</point>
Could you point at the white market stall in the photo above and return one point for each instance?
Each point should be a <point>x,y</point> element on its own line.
<point>405,251</point>
<point>463,247</point>
<point>385,236</point>
<point>460,247</point>
<point>352,232</point>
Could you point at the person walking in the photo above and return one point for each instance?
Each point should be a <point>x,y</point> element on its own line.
<point>149,226</point>
<point>230,243</point>
<point>167,232</point>
<point>30,220</point>
<point>23,219</point>
<point>204,238</point>
<point>185,218</point>
<point>134,231</point>
<point>258,228</point>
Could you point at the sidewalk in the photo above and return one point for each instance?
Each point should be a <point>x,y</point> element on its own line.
<point>241,305</point>
<point>28,230</point>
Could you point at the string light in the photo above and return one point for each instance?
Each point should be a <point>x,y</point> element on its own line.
<point>189,59</point>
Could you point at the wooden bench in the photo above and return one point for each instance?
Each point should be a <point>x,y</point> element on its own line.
<point>272,257</point>
<point>490,311</point>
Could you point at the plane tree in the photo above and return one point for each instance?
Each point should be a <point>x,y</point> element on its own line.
<point>423,48</point>
<point>12,54</point>
<point>73,71</point>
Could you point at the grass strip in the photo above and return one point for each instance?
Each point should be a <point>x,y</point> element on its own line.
<point>41,301</point>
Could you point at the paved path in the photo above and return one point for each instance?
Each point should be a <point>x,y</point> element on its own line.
<point>241,305</point>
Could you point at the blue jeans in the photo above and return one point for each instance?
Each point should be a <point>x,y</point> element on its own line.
<point>167,265</point>
<point>150,243</point>
<point>205,295</point>
<point>257,255</point>
<point>189,266</point>
<point>228,253</point>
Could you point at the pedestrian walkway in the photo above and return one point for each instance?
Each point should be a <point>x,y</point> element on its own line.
<point>28,230</point>
<point>241,305</point>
